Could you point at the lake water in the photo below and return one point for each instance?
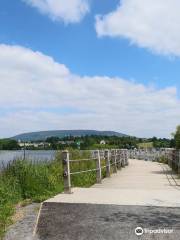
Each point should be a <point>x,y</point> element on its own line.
<point>41,155</point>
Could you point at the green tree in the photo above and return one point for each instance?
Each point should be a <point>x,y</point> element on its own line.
<point>177,137</point>
<point>8,144</point>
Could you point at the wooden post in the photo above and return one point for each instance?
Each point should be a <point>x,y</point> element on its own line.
<point>24,151</point>
<point>178,162</point>
<point>113,159</point>
<point>170,159</point>
<point>108,166</point>
<point>123,158</point>
<point>66,172</point>
<point>98,166</point>
<point>127,157</point>
<point>118,159</point>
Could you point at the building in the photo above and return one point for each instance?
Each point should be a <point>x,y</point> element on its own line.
<point>102,142</point>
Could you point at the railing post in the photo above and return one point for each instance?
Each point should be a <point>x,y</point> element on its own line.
<point>108,166</point>
<point>98,167</point>
<point>178,162</point>
<point>123,158</point>
<point>127,157</point>
<point>66,172</point>
<point>118,159</point>
<point>171,159</point>
<point>113,159</point>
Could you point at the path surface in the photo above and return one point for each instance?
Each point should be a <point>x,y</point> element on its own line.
<point>144,194</point>
<point>142,183</point>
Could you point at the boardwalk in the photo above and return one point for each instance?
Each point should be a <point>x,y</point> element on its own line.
<point>144,194</point>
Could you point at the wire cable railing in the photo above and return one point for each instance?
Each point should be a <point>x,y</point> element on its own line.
<point>109,161</point>
<point>169,155</point>
<point>115,159</point>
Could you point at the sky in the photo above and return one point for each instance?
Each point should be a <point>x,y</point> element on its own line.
<point>89,64</point>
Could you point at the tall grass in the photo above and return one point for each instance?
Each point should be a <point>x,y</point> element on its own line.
<point>9,195</point>
<point>83,179</point>
<point>37,181</point>
<point>22,180</point>
<point>163,159</point>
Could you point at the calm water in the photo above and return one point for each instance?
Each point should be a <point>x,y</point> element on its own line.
<point>41,155</point>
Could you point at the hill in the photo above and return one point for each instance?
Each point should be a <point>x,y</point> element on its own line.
<point>43,135</point>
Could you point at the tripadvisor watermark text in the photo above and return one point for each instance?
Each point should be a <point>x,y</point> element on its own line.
<point>140,231</point>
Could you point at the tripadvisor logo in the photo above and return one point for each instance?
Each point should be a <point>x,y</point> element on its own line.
<point>139,231</point>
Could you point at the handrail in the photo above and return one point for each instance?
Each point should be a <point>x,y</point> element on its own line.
<point>171,155</point>
<point>84,171</point>
<point>81,160</point>
<point>115,158</point>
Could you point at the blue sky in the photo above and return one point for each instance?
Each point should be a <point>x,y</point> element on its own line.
<point>78,47</point>
<point>88,51</point>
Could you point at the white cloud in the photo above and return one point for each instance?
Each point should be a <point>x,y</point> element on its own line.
<point>152,24</point>
<point>35,90</point>
<point>69,11</point>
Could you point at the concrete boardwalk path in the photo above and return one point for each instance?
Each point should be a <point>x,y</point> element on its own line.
<point>144,194</point>
<point>142,183</point>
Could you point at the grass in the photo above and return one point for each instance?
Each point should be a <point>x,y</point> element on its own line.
<point>23,181</point>
<point>145,145</point>
<point>84,179</point>
<point>163,159</point>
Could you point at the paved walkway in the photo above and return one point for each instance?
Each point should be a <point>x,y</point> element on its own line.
<point>144,194</point>
<point>142,183</point>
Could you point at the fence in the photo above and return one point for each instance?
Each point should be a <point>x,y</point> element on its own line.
<point>114,159</point>
<point>151,154</point>
<point>174,160</point>
<point>170,155</point>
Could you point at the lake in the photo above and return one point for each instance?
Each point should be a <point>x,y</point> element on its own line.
<point>40,155</point>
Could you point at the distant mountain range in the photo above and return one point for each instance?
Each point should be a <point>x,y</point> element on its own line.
<point>43,135</point>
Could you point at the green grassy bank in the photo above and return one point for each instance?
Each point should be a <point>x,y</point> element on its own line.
<point>23,180</point>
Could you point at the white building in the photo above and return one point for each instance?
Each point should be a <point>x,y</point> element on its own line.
<point>102,142</point>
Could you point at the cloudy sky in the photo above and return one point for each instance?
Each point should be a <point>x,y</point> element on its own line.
<point>90,64</point>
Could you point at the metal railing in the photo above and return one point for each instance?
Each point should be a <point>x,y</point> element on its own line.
<point>115,159</point>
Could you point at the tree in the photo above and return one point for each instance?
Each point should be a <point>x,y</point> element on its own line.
<point>8,144</point>
<point>177,137</point>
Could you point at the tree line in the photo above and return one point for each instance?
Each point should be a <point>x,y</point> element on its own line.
<point>99,142</point>
<point>9,144</point>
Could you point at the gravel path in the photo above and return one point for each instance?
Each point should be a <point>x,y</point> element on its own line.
<point>24,227</point>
